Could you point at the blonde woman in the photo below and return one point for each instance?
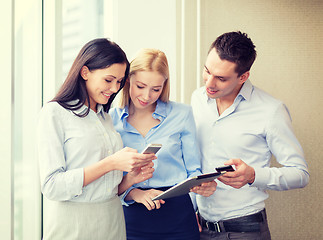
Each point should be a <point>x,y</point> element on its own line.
<point>147,116</point>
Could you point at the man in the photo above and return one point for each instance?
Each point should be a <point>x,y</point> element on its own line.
<point>241,125</point>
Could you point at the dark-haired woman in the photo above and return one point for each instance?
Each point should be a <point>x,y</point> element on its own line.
<point>81,159</point>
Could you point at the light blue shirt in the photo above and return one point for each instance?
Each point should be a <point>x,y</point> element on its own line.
<point>68,143</point>
<point>179,157</point>
<point>255,127</point>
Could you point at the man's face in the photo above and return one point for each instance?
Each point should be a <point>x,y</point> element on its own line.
<point>221,79</point>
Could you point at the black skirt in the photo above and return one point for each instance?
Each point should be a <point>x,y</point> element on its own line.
<point>175,220</point>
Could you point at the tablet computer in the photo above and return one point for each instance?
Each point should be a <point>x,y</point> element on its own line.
<point>185,186</point>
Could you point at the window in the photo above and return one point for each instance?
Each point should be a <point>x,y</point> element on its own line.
<point>39,51</point>
<point>26,102</point>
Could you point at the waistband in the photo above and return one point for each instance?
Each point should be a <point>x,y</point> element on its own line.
<point>249,223</point>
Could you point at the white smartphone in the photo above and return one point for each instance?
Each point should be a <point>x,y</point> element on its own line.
<point>152,148</point>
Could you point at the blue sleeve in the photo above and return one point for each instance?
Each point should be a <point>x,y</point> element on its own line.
<point>190,149</point>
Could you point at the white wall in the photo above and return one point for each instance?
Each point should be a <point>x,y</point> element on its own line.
<point>145,24</point>
<point>169,25</point>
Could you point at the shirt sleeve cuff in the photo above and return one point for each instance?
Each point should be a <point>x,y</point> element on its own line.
<point>75,182</point>
<point>261,178</point>
<point>123,196</point>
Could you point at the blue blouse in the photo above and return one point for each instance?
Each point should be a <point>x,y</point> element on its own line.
<point>179,157</point>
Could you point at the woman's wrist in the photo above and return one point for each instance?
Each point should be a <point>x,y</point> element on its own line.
<point>130,194</point>
<point>130,181</point>
<point>109,163</point>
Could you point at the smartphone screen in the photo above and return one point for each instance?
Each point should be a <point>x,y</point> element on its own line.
<point>152,148</point>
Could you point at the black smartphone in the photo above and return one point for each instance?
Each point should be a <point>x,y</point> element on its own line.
<point>227,168</point>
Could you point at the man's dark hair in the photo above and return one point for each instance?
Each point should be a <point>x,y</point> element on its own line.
<point>236,47</point>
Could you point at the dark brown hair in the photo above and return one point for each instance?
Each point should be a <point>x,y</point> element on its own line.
<point>97,54</point>
<point>236,47</point>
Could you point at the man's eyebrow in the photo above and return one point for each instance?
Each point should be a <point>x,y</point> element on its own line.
<point>221,77</point>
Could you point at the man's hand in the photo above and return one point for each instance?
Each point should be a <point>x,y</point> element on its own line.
<point>244,174</point>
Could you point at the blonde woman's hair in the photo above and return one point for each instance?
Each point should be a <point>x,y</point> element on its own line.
<point>147,60</point>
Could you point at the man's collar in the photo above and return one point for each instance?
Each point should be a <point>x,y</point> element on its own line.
<point>246,90</point>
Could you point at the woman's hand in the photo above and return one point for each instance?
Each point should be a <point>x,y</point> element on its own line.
<point>136,176</point>
<point>128,159</point>
<point>206,189</point>
<point>141,174</point>
<point>145,196</point>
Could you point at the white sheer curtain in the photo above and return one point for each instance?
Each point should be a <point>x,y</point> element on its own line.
<point>6,46</point>
<point>27,102</point>
<point>21,98</point>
